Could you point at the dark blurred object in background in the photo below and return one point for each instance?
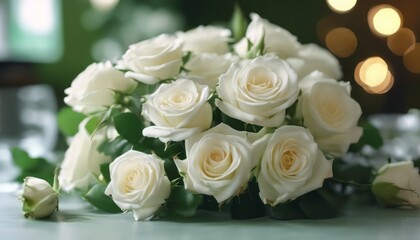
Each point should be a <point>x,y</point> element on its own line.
<point>30,34</point>
<point>30,31</point>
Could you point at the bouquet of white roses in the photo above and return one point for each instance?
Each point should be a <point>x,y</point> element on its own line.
<point>204,119</point>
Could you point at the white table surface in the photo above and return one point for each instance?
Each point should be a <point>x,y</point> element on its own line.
<point>76,220</point>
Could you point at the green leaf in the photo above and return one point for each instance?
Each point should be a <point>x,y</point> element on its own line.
<point>183,203</point>
<point>98,199</point>
<point>105,172</point>
<point>315,206</point>
<point>43,171</point>
<point>210,204</point>
<point>129,126</point>
<point>352,172</point>
<point>29,166</point>
<point>186,57</point>
<point>248,204</point>
<point>115,147</point>
<point>22,159</point>
<point>371,136</point>
<point>170,169</point>
<point>92,124</point>
<point>239,125</point>
<point>149,145</point>
<point>171,150</point>
<point>238,23</point>
<point>257,49</point>
<point>287,211</point>
<point>69,120</point>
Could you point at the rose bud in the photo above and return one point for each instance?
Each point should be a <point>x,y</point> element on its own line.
<point>40,200</point>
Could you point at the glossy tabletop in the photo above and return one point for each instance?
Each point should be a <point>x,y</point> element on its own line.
<point>76,220</point>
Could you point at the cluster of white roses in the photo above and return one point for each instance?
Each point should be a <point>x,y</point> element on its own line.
<point>259,89</point>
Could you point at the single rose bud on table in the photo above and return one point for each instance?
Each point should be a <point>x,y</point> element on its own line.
<point>40,200</point>
<point>397,185</point>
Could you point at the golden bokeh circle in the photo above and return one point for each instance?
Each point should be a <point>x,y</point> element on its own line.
<point>412,58</point>
<point>384,20</point>
<point>402,40</point>
<point>341,6</point>
<point>341,41</point>
<point>373,75</point>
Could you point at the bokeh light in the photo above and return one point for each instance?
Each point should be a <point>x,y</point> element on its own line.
<point>373,75</point>
<point>36,16</point>
<point>412,58</point>
<point>373,71</point>
<point>104,5</point>
<point>384,20</point>
<point>341,41</point>
<point>384,87</point>
<point>402,40</point>
<point>341,6</point>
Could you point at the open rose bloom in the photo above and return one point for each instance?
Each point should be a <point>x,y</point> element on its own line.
<point>197,118</point>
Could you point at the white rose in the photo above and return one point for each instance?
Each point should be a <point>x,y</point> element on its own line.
<point>40,200</point>
<point>206,68</point>
<point>81,165</point>
<point>178,110</point>
<point>276,39</point>
<point>291,166</point>
<point>138,183</point>
<point>153,60</point>
<point>398,184</point>
<point>330,113</point>
<point>219,162</point>
<point>258,91</point>
<point>311,57</point>
<point>94,89</point>
<point>206,39</point>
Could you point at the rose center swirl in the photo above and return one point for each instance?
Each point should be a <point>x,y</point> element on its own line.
<point>179,100</point>
<point>217,162</point>
<point>260,80</point>
<point>289,160</point>
<point>134,179</point>
<point>331,111</point>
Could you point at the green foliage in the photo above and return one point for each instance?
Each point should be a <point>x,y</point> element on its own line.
<point>98,199</point>
<point>238,24</point>
<point>69,120</point>
<point>171,170</point>
<point>115,147</point>
<point>248,204</point>
<point>256,50</point>
<point>185,58</point>
<point>129,127</point>
<point>315,205</point>
<point>239,125</point>
<point>371,136</point>
<point>149,145</point>
<point>35,167</point>
<point>92,124</point>
<point>318,204</point>
<point>183,203</point>
<point>173,149</point>
<point>352,173</point>
<point>287,211</point>
<point>105,172</point>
